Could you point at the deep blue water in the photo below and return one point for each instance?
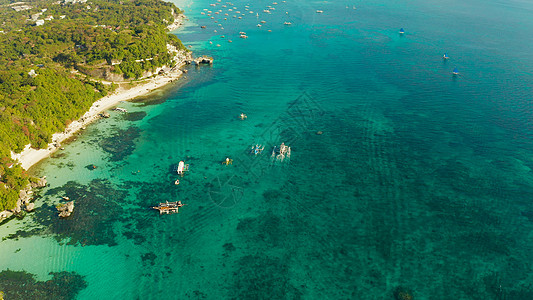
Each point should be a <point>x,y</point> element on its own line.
<point>402,176</point>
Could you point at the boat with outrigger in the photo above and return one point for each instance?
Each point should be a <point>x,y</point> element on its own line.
<point>455,71</point>
<point>181,168</point>
<point>168,207</point>
<point>257,149</point>
<point>281,152</point>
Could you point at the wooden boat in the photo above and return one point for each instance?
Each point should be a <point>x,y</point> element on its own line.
<point>257,149</point>
<point>281,152</point>
<point>168,207</point>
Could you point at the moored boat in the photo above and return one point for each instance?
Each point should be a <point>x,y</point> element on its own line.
<point>168,207</point>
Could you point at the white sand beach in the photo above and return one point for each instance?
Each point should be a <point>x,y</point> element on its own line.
<point>29,156</point>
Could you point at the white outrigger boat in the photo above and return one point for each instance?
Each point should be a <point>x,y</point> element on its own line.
<point>181,168</point>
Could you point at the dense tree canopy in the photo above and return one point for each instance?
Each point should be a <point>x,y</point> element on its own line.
<point>46,70</point>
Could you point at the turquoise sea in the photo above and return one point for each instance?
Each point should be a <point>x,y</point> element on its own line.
<point>403,180</point>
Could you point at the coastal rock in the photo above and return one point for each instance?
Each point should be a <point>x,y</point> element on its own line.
<point>110,76</point>
<point>23,194</point>
<point>30,207</point>
<point>102,72</point>
<point>5,214</point>
<point>65,209</point>
<point>18,208</point>
<point>200,60</point>
<point>148,74</point>
<point>41,182</point>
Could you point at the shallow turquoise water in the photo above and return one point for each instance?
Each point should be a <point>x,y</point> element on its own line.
<point>420,179</point>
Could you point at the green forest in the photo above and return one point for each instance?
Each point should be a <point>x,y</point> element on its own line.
<point>49,52</point>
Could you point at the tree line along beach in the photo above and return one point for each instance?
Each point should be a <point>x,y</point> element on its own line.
<point>62,73</point>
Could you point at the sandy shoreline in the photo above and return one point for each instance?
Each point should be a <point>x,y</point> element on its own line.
<point>29,156</point>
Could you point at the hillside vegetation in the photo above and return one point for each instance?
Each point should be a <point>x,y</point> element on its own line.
<point>50,52</point>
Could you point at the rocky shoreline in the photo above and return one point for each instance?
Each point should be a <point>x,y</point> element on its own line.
<point>179,19</point>
<point>24,203</point>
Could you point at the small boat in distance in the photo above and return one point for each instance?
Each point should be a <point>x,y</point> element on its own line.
<point>445,56</point>
<point>257,149</point>
<point>402,31</point>
<point>281,152</point>
<point>319,11</point>
<point>287,23</point>
<point>182,168</point>
<point>168,207</point>
<point>455,71</point>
